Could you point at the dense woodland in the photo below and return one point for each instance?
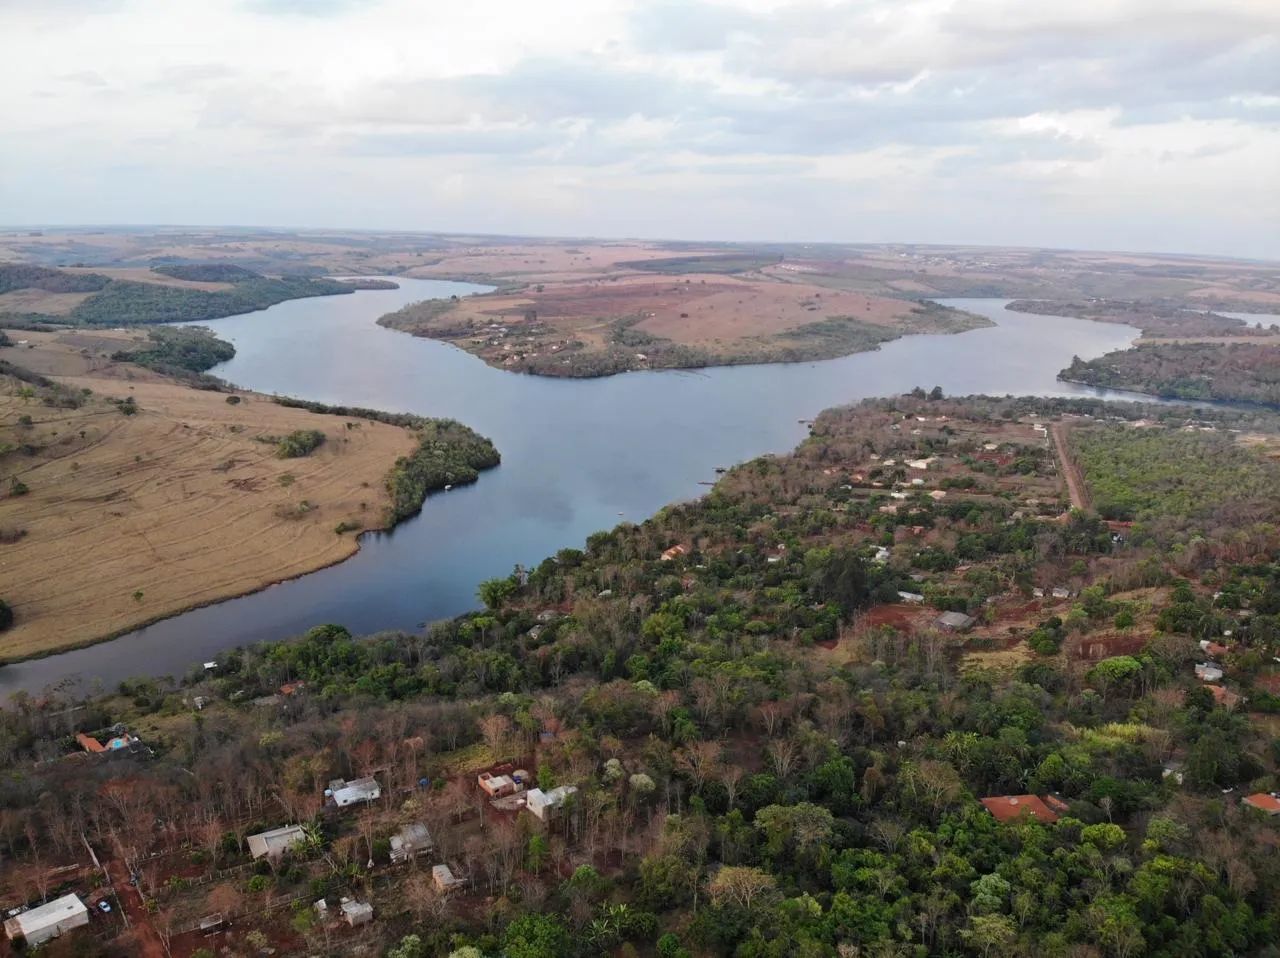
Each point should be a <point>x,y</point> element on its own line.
<point>1158,318</point>
<point>1232,372</point>
<point>775,754</point>
<point>183,352</point>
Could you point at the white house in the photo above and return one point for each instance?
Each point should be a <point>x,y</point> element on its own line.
<point>276,842</point>
<point>1208,672</point>
<point>355,792</point>
<point>543,803</point>
<point>48,921</point>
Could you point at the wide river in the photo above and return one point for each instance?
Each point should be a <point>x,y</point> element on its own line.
<point>577,455</point>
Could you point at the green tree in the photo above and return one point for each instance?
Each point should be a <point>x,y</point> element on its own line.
<point>536,936</point>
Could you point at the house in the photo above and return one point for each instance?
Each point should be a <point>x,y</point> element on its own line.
<point>356,913</point>
<point>1224,697</point>
<point>1173,769</point>
<point>938,494</point>
<point>358,792</point>
<point>921,463</point>
<point>673,553</point>
<point>292,688</point>
<point>914,598</point>
<point>1008,808</point>
<point>953,621</point>
<point>882,555</point>
<point>444,878</point>
<point>548,615</point>
<point>543,804</point>
<point>1061,593</point>
<point>1268,802</point>
<point>411,841</point>
<point>1208,672</point>
<point>276,842</point>
<point>1216,649</point>
<point>46,922</point>
<point>496,786</point>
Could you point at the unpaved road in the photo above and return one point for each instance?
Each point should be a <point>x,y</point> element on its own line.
<point>1076,487</point>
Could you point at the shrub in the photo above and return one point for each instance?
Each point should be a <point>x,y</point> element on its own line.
<point>301,442</point>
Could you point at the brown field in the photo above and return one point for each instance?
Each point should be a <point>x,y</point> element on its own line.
<point>181,502</point>
<point>140,274</point>
<point>40,301</point>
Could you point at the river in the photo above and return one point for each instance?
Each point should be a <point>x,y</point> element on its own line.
<point>577,455</point>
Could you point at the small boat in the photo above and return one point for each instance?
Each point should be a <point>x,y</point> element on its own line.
<point>447,488</point>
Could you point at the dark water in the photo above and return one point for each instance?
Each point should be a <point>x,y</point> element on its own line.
<point>577,455</point>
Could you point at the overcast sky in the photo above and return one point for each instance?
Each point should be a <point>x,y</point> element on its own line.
<point>1115,124</point>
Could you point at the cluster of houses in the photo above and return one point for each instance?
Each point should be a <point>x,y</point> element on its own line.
<point>1210,673</point>
<point>508,792</point>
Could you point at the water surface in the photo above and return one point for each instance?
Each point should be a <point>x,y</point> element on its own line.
<point>577,455</point>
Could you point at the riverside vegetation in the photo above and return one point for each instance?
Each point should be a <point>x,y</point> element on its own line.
<point>1231,372</point>
<point>777,750</point>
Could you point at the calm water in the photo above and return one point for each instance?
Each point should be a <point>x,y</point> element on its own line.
<point>577,455</point>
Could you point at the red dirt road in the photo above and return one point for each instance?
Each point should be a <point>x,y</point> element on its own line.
<point>146,938</point>
<point>1076,487</point>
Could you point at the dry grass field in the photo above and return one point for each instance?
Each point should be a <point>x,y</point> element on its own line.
<point>130,518</point>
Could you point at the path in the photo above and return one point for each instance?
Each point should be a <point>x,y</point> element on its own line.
<point>145,936</point>
<point>1076,488</point>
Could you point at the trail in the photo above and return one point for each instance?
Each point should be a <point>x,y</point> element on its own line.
<point>1076,487</point>
<point>146,938</point>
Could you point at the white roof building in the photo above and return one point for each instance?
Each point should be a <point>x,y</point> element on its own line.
<point>1208,672</point>
<point>354,792</point>
<point>356,912</point>
<point>47,921</point>
<point>276,842</point>
<point>542,803</point>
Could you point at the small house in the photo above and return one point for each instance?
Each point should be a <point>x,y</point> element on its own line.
<point>673,553</point>
<point>276,842</point>
<point>1224,697</point>
<point>1009,808</point>
<point>1173,769</point>
<point>444,878</point>
<point>912,598</point>
<point>882,555</point>
<point>938,494</point>
<point>1208,672</point>
<point>361,791</point>
<point>544,804</point>
<point>1215,649</point>
<point>496,786</point>
<point>1267,802</point>
<point>410,842</point>
<point>48,921</point>
<point>953,622</point>
<point>356,913</point>
<point>1061,593</point>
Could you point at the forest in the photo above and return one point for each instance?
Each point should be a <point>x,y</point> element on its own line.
<point>775,748</point>
<point>1230,372</point>
<point>179,350</point>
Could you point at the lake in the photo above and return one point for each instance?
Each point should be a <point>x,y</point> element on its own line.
<point>577,455</point>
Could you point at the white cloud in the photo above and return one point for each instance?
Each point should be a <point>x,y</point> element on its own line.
<point>1100,122</point>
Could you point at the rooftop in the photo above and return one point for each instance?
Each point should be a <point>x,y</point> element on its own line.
<point>1264,801</point>
<point>1008,808</point>
<point>46,915</point>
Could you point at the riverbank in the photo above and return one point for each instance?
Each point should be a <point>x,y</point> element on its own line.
<point>130,497</point>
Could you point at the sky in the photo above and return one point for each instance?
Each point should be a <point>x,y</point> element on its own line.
<point>1104,124</point>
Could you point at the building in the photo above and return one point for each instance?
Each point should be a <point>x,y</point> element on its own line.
<point>357,792</point>
<point>46,922</point>
<point>543,804</point>
<point>444,878</point>
<point>1208,672</point>
<point>276,842</point>
<point>1216,649</point>
<point>356,913</point>
<point>953,621</point>
<point>912,598</point>
<point>411,841</point>
<point>1224,697</point>
<point>496,786</point>
<point>1173,769</point>
<point>1268,802</point>
<point>673,553</point>
<point>1009,808</point>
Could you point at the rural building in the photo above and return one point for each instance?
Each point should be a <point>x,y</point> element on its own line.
<point>914,598</point>
<point>953,621</point>
<point>882,555</point>
<point>543,804</point>
<point>1268,802</point>
<point>356,913</point>
<point>1008,808</point>
<point>411,841</point>
<point>1208,672</point>
<point>1061,593</point>
<point>1216,649</point>
<point>276,842</point>
<point>496,786</point>
<point>1174,770</point>
<point>673,553</point>
<point>444,878</point>
<point>46,922</point>
<point>357,792</point>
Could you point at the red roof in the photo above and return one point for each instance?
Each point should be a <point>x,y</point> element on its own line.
<point>89,743</point>
<point>1265,802</point>
<point>1008,808</point>
<point>1224,697</point>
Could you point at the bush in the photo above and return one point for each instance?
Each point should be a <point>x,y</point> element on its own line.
<point>6,615</point>
<point>301,442</point>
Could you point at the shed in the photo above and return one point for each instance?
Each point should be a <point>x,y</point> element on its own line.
<point>444,878</point>
<point>914,598</point>
<point>356,913</point>
<point>495,786</point>
<point>46,922</point>
<point>953,621</point>
<point>412,840</point>
<point>276,842</point>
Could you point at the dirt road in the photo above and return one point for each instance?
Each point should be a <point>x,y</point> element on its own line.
<point>1076,487</point>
